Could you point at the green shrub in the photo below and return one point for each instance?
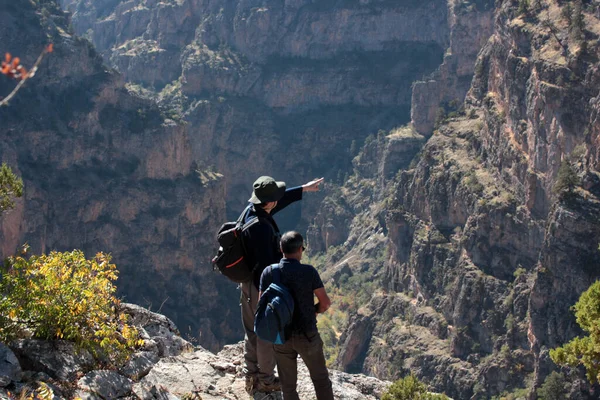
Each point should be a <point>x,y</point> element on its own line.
<point>553,387</point>
<point>440,117</point>
<point>519,271</point>
<point>523,7</point>
<point>410,388</point>
<point>472,183</point>
<point>11,186</point>
<point>566,180</point>
<point>517,394</point>
<point>65,296</point>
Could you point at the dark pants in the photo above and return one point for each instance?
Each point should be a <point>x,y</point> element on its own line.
<point>310,348</point>
<point>258,355</point>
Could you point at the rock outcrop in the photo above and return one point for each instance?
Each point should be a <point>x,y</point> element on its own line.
<point>471,24</point>
<point>167,367</point>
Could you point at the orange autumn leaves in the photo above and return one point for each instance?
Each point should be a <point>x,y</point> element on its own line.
<point>12,68</point>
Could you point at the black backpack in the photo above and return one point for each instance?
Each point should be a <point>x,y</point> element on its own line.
<point>231,258</point>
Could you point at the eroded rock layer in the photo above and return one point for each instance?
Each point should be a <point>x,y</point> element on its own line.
<point>105,171</point>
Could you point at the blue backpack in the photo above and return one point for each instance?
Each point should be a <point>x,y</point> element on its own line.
<point>275,309</point>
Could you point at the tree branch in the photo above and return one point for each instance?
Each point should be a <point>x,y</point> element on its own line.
<point>30,74</point>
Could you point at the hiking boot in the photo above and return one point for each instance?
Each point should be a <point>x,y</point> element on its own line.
<point>274,386</point>
<point>251,382</point>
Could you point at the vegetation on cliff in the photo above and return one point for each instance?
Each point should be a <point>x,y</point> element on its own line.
<point>11,187</point>
<point>584,351</point>
<point>65,296</point>
<point>410,388</point>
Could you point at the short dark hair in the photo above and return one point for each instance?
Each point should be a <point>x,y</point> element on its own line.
<point>291,242</point>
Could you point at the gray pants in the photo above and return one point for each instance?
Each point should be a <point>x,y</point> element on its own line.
<point>310,347</point>
<point>258,354</point>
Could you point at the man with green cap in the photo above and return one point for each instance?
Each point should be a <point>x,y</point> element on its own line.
<point>261,241</point>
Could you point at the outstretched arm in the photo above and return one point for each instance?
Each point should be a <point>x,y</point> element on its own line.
<point>312,186</point>
<point>294,194</point>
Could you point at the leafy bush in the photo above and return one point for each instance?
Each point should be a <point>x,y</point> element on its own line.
<point>65,296</point>
<point>410,388</point>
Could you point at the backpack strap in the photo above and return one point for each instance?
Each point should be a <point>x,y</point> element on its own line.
<point>242,218</point>
<point>276,273</point>
<point>239,225</point>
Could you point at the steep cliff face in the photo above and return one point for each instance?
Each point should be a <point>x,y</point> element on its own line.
<point>483,259</point>
<point>541,73</point>
<point>104,171</point>
<point>286,85</point>
<point>443,92</point>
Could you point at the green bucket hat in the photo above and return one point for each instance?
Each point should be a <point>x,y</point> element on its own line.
<point>266,189</point>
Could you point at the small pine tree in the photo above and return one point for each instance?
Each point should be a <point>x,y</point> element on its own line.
<point>553,387</point>
<point>566,180</point>
<point>584,350</point>
<point>440,116</point>
<point>566,13</point>
<point>353,147</point>
<point>523,7</point>
<point>577,22</point>
<point>11,186</point>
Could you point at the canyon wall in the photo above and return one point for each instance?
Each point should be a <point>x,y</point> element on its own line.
<point>104,170</point>
<point>482,256</point>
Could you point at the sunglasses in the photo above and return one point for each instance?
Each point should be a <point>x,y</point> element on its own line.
<point>303,248</point>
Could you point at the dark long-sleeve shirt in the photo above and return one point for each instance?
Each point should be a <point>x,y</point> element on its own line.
<point>262,238</point>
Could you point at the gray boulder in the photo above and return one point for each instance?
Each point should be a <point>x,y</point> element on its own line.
<point>139,365</point>
<point>105,384</point>
<point>60,359</point>
<point>159,332</point>
<point>151,392</point>
<point>155,324</point>
<point>10,369</point>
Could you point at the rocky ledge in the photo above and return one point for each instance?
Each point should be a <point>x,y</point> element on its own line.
<point>166,367</point>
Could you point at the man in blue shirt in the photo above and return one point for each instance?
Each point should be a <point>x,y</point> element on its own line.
<point>261,241</point>
<point>304,283</point>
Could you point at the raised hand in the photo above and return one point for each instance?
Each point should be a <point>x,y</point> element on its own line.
<point>312,186</point>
